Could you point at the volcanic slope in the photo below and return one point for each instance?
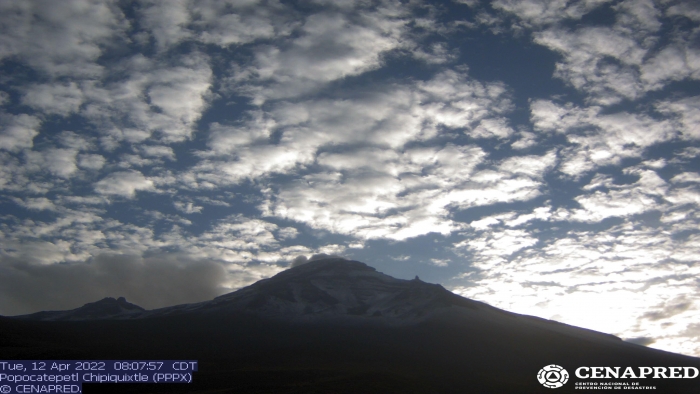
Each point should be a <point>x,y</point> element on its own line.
<point>335,325</point>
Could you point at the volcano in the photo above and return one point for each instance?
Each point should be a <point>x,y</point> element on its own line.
<point>339,326</point>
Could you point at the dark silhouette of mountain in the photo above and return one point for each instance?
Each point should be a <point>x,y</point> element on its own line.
<point>106,308</point>
<point>335,326</point>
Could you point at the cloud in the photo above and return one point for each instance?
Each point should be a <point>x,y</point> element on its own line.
<point>385,118</point>
<point>673,63</point>
<point>179,92</point>
<point>158,151</point>
<point>18,131</point>
<point>59,162</point>
<point>240,233</point>
<point>151,282</point>
<point>327,46</point>
<point>638,17</point>
<point>299,260</point>
<point>585,67</point>
<point>686,9</point>
<point>526,140</point>
<point>470,3</point>
<point>177,97</point>
<point>532,166</point>
<point>66,234</point>
<point>693,177</point>
<point>141,99</point>
<point>438,53</point>
<point>240,22</point>
<point>73,140</point>
<point>124,183</point>
<point>214,22</point>
<point>76,232</point>
<point>621,200</point>
<point>598,139</point>
<point>224,139</point>
<point>62,39</point>
<point>168,23</point>
<point>61,99</point>
<point>321,256</point>
<point>91,161</point>
<point>543,12</point>
<point>622,61</point>
<point>669,309</point>
<point>39,204</point>
<point>643,341</point>
<point>287,233</point>
<point>688,113</point>
<point>633,266</point>
<point>489,128</point>
<point>400,196</point>
<point>640,261</point>
<point>495,246</point>
<point>188,207</point>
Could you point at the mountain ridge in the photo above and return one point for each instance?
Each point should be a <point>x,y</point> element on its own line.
<point>314,329</point>
<point>330,289</point>
<point>326,286</point>
<point>106,308</point>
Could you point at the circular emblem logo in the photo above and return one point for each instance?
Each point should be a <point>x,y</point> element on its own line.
<point>552,376</point>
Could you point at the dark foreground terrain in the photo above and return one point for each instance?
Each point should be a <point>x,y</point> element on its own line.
<point>336,327</point>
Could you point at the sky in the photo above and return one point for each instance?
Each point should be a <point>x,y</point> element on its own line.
<point>541,156</point>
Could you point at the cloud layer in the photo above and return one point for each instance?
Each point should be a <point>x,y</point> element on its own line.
<point>173,152</point>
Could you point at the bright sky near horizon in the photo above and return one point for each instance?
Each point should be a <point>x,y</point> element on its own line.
<point>539,155</point>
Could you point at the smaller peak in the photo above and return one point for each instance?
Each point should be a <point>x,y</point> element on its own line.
<point>417,278</point>
<point>111,302</point>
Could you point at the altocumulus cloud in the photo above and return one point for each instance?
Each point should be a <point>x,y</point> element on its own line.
<point>540,156</point>
<point>123,183</point>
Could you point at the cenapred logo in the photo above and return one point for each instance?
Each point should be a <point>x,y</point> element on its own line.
<point>553,376</point>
